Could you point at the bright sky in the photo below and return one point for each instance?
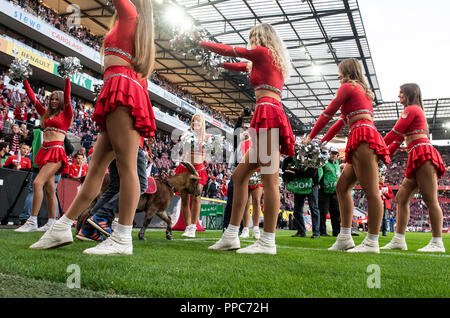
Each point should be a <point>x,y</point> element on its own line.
<point>410,42</point>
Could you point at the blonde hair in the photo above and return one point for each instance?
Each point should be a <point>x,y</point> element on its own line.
<point>265,35</point>
<point>352,73</point>
<point>202,129</point>
<point>54,112</point>
<point>144,45</point>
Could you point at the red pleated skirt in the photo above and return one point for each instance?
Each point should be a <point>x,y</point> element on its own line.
<point>269,114</point>
<point>364,131</point>
<point>200,168</point>
<point>123,87</point>
<point>420,151</point>
<point>52,152</point>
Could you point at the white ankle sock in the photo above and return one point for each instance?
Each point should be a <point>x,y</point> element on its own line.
<point>372,237</point>
<point>400,236</point>
<point>33,218</point>
<point>268,238</point>
<point>256,229</point>
<point>436,240</point>
<point>51,221</point>
<point>247,229</point>
<point>65,221</point>
<point>346,231</point>
<point>231,231</point>
<point>124,231</point>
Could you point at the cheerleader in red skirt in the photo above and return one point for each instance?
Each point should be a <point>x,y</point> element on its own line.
<point>197,157</point>
<point>270,67</point>
<point>123,113</point>
<point>51,157</point>
<point>255,190</point>
<point>424,167</point>
<point>365,146</point>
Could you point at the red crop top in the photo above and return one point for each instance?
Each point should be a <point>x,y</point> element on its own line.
<point>352,100</point>
<point>264,75</point>
<point>59,123</point>
<point>120,39</point>
<point>411,122</point>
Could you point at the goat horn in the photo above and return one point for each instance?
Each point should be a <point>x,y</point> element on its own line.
<point>190,167</point>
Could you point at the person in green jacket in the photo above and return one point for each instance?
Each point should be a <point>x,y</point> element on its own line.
<point>328,200</point>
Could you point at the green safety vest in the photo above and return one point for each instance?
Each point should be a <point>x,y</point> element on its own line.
<point>331,173</point>
<point>300,185</point>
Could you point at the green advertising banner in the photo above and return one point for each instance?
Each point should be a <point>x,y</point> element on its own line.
<point>77,79</point>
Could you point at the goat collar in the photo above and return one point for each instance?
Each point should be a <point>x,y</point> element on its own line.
<point>164,180</point>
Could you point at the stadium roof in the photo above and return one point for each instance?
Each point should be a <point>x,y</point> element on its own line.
<point>318,34</point>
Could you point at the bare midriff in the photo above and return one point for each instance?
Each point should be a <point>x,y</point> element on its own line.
<point>266,93</point>
<point>52,135</point>
<point>356,118</point>
<point>111,60</point>
<point>409,139</point>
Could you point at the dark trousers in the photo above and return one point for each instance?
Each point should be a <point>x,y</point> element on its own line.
<point>299,202</point>
<point>108,205</point>
<point>384,225</point>
<point>328,202</point>
<point>228,207</point>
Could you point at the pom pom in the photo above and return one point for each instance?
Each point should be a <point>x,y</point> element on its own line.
<point>186,43</point>
<point>19,70</point>
<point>68,66</point>
<point>382,169</point>
<point>97,90</point>
<point>255,179</point>
<point>312,155</point>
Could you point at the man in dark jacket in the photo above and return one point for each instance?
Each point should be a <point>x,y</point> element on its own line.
<point>304,184</point>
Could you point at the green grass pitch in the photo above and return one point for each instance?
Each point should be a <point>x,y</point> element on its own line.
<point>185,268</point>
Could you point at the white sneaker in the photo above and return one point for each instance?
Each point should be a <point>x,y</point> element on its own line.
<point>113,225</point>
<point>245,233</point>
<point>259,247</point>
<point>256,233</point>
<point>366,247</point>
<point>111,246</point>
<point>28,226</point>
<point>44,228</point>
<point>395,244</point>
<point>226,244</point>
<point>343,243</point>
<point>190,231</point>
<point>433,247</point>
<point>54,237</point>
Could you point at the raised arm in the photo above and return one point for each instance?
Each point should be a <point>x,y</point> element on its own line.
<point>39,108</point>
<point>125,9</point>
<point>239,67</point>
<point>342,95</point>
<point>334,129</point>
<point>237,51</point>
<point>68,111</point>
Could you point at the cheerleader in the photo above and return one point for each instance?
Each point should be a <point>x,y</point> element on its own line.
<point>197,157</point>
<point>365,146</point>
<point>51,157</point>
<point>424,167</point>
<point>255,192</point>
<point>123,113</point>
<point>270,68</point>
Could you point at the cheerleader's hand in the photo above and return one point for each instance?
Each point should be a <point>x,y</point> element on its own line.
<point>306,141</point>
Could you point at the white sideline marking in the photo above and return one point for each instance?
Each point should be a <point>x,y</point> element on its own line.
<point>383,252</point>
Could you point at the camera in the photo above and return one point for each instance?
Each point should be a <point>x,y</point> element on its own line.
<point>247,111</point>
